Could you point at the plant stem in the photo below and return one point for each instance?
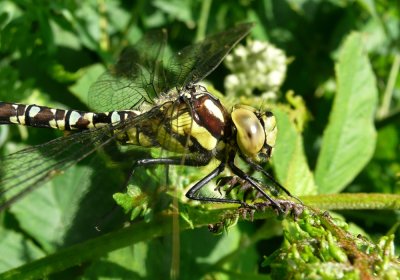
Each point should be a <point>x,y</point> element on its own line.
<point>202,24</point>
<point>161,225</point>
<point>387,96</point>
<point>354,201</point>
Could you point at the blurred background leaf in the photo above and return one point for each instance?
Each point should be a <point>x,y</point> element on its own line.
<point>349,138</point>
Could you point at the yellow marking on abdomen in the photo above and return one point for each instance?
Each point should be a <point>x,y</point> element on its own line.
<point>89,118</point>
<point>53,122</point>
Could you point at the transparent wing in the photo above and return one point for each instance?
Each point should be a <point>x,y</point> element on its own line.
<point>23,171</point>
<point>136,78</point>
<point>195,62</point>
<point>140,74</point>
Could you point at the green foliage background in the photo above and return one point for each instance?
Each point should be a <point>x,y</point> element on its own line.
<point>343,135</point>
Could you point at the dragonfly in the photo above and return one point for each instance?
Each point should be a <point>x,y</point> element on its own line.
<point>150,100</point>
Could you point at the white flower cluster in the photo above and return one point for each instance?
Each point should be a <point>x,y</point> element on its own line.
<point>258,66</point>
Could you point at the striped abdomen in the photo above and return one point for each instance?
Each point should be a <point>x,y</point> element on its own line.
<point>196,121</point>
<point>40,116</point>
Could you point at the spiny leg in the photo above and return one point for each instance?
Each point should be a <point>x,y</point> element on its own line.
<point>192,161</point>
<point>200,161</point>
<point>234,182</point>
<point>252,182</point>
<point>196,188</point>
<point>271,178</point>
<point>179,161</point>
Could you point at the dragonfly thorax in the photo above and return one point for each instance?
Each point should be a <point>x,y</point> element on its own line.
<point>195,121</point>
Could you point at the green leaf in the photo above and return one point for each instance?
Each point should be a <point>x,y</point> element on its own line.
<point>368,5</point>
<point>349,139</point>
<point>68,208</point>
<point>81,88</point>
<point>46,214</point>
<point>290,163</point>
<point>16,250</point>
<point>64,37</point>
<point>125,263</point>
<point>179,9</point>
<point>86,27</point>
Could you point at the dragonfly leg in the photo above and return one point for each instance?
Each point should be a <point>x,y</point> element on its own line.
<point>271,178</point>
<point>194,190</point>
<point>172,161</point>
<point>193,161</point>
<point>188,161</point>
<point>253,182</point>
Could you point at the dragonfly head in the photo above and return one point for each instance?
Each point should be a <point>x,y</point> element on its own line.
<point>255,132</point>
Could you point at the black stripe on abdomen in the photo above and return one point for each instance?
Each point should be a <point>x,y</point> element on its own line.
<point>41,116</point>
<point>8,113</point>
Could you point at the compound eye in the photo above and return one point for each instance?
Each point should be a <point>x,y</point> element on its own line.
<point>250,132</point>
